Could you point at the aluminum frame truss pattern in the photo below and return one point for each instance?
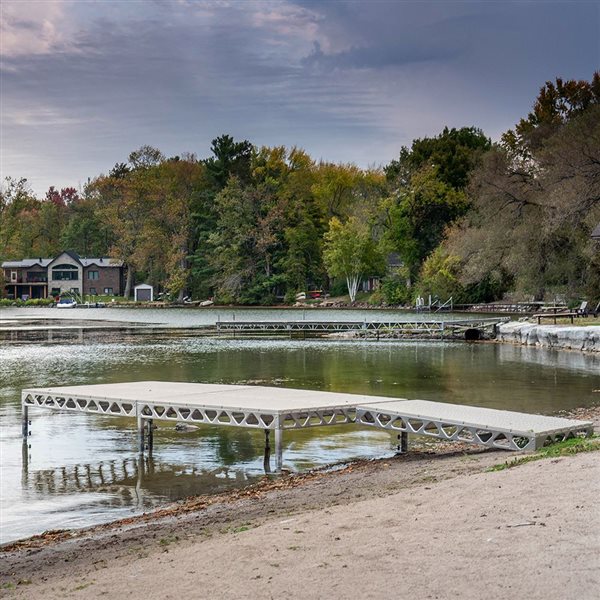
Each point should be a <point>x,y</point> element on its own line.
<point>492,428</point>
<point>244,417</point>
<point>424,326</point>
<point>103,406</point>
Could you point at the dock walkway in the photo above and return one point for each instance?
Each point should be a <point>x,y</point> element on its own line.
<point>279,409</point>
<point>445,328</point>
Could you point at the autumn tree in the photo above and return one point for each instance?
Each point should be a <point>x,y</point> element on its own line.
<point>534,204</point>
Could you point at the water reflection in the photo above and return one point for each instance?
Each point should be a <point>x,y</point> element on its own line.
<point>131,482</point>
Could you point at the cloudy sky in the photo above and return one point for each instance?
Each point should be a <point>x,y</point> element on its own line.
<point>86,82</point>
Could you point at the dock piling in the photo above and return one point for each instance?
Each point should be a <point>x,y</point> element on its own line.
<point>150,425</point>
<point>267,458</point>
<point>278,449</point>
<point>24,420</point>
<point>140,424</point>
<point>403,442</point>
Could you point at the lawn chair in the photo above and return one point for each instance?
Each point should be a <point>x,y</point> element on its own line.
<point>582,311</point>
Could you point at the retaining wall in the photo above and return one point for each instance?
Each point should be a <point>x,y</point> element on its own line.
<point>561,337</point>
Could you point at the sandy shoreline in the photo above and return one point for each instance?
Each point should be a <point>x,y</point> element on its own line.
<point>426,522</point>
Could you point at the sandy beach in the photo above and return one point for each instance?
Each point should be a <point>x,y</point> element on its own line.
<point>429,524</point>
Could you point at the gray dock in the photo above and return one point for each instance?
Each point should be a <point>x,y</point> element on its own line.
<point>279,409</point>
<point>447,328</point>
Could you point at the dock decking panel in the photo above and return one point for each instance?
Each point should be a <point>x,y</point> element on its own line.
<point>484,426</point>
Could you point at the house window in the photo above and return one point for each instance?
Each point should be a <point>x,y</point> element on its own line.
<point>13,276</point>
<point>93,291</point>
<point>36,277</point>
<point>75,291</point>
<point>65,272</point>
<point>108,291</point>
<point>93,275</point>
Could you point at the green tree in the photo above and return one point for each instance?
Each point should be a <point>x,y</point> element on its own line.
<point>452,154</point>
<point>230,158</point>
<point>350,252</point>
<point>421,214</point>
<point>245,242</point>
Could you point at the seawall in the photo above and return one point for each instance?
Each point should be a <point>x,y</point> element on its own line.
<point>560,337</point>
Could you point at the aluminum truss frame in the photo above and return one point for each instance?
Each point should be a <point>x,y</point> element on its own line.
<point>115,408</point>
<point>482,434</point>
<point>245,417</point>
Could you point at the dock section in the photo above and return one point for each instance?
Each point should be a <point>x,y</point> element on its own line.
<point>270,409</point>
<point>503,429</point>
<point>429,328</point>
<point>279,409</point>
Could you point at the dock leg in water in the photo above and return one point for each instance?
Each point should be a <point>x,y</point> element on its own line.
<point>150,426</point>
<point>25,462</point>
<point>140,424</point>
<point>403,442</point>
<point>24,421</point>
<point>278,449</point>
<point>267,459</point>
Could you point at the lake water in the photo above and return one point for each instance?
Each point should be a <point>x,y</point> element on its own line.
<point>79,469</point>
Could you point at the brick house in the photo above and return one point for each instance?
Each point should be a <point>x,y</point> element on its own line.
<point>66,273</point>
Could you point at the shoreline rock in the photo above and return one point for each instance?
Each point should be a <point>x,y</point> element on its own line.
<point>559,337</point>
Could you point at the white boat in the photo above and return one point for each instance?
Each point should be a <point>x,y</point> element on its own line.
<point>66,303</point>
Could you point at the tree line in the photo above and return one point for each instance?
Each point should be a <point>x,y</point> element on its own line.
<point>463,216</point>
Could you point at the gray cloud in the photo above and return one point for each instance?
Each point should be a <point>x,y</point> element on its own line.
<point>348,81</point>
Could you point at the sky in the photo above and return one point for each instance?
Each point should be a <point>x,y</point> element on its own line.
<point>84,83</point>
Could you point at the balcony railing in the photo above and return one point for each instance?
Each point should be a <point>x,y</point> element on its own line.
<point>25,278</point>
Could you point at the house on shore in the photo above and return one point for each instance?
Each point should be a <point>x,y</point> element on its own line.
<point>66,273</point>
<point>371,283</point>
<point>596,233</point>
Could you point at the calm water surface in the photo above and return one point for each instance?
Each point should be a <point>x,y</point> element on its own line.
<point>82,469</point>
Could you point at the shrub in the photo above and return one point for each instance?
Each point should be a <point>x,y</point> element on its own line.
<point>393,290</point>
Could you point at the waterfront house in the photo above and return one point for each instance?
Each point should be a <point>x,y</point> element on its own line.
<point>371,283</point>
<point>596,233</point>
<point>65,273</point>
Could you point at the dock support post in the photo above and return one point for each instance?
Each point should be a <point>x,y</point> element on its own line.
<point>25,462</point>
<point>403,442</point>
<point>140,424</point>
<point>150,425</point>
<point>24,421</point>
<point>278,447</point>
<point>267,458</point>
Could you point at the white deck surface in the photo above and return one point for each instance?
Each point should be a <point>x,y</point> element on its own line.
<point>489,418</point>
<point>230,397</point>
